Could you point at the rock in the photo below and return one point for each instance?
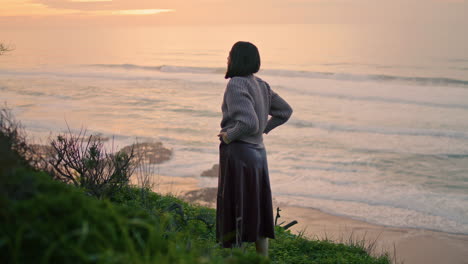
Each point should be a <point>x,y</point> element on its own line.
<point>202,195</point>
<point>213,172</point>
<point>154,153</point>
<point>39,155</point>
<point>95,138</point>
<point>42,150</point>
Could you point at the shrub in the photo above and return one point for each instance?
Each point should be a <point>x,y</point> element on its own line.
<point>57,223</point>
<point>47,221</point>
<point>13,143</point>
<point>4,49</point>
<point>83,161</point>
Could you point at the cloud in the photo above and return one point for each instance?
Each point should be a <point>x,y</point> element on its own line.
<point>41,8</point>
<point>191,12</point>
<point>128,12</point>
<point>10,8</point>
<point>85,5</point>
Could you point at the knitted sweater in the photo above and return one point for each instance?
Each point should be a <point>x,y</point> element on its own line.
<point>247,103</point>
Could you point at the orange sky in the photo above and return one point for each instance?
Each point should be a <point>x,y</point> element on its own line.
<point>152,12</point>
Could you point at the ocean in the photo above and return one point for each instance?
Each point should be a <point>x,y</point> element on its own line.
<point>380,125</point>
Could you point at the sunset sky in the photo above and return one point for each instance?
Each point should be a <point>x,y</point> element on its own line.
<point>52,13</point>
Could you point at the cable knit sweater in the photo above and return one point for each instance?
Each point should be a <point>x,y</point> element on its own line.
<point>247,103</point>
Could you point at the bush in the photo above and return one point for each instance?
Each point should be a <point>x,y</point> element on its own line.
<point>83,161</point>
<point>58,223</point>
<point>3,49</point>
<point>13,143</point>
<point>47,221</point>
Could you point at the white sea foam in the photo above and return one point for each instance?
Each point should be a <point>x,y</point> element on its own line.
<point>444,81</point>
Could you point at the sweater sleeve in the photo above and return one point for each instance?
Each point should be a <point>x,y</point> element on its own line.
<point>240,106</point>
<point>280,112</point>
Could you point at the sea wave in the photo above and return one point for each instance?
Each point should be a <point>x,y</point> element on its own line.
<point>133,74</point>
<point>379,130</point>
<point>384,100</point>
<point>161,68</point>
<point>440,81</point>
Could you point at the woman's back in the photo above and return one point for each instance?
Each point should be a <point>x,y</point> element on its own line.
<point>248,100</point>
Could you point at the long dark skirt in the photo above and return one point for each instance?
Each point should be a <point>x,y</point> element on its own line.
<point>244,210</point>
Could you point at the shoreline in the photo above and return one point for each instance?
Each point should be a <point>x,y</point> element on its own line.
<point>370,223</point>
<point>409,245</point>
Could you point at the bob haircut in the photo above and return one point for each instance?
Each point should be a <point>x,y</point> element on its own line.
<point>244,60</point>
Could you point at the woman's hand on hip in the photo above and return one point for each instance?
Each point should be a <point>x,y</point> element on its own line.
<point>223,136</point>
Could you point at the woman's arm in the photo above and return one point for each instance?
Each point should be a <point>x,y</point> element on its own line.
<point>280,112</point>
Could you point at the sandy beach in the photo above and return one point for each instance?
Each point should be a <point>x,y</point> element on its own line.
<point>410,246</point>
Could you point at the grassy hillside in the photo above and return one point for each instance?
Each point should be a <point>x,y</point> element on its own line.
<point>43,220</point>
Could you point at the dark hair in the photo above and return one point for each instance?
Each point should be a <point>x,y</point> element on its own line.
<point>244,60</point>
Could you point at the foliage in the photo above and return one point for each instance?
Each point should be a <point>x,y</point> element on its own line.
<point>83,161</point>
<point>290,248</point>
<point>58,223</point>
<point>13,144</point>
<point>77,159</point>
<point>47,221</point>
<point>3,48</point>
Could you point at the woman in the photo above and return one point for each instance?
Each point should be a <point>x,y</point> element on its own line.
<point>244,211</point>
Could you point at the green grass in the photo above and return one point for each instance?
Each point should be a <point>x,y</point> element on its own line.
<point>58,223</point>
<point>46,221</point>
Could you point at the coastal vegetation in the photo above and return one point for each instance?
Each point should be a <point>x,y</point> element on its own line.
<point>4,48</point>
<point>76,204</point>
